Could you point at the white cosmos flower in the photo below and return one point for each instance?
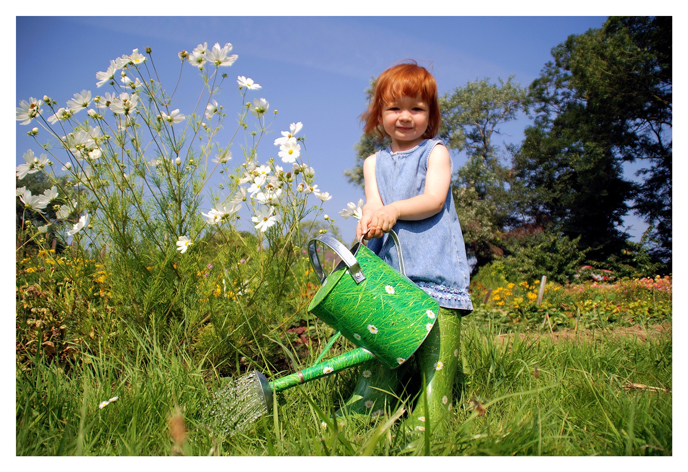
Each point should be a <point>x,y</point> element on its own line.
<point>106,101</point>
<point>50,194</point>
<point>105,403</point>
<point>35,202</point>
<point>64,212</point>
<point>290,151</point>
<point>197,59</point>
<point>352,209</point>
<point>122,61</point>
<point>264,218</point>
<point>61,115</point>
<point>324,196</point>
<point>219,212</point>
<point>95,154</point>
<point>107,76</point>
<point>132,84</point>
<point>269,196</point>
<point>33,164</point>
<point>43,229</point>
<point>78,226</point>
<point>125,104</point>
<point>136,57</point>
<point>80,101</point>
<point>27,111</point>
<point>183,244</point>
<point>220,55</point>
<point>21,191</point>
<point>248,83</point>
<point>223,158</point>
<point>213,216</point>
<point>311,188</point>
<point>174,117</point>
<point>259,106</point>
<point>287,135</point>
<point>212,109</point>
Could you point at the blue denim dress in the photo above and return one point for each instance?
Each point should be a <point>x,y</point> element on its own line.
<point>433,249</point>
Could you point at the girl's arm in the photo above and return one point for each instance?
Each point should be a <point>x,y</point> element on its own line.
<point>384,217</point>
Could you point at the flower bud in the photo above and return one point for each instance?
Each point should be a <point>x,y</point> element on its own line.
<point>148,50</point>
<point>326,217</point>
<point>178,160</point>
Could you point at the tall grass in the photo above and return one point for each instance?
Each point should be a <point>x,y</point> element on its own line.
<point>578,403</point>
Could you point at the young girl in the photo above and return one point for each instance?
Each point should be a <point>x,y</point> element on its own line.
<point>408,189</point>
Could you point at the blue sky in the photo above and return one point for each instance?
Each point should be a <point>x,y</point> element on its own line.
<point>312,69</point>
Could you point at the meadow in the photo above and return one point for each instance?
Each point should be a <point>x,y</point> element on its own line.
<point>143,293</point>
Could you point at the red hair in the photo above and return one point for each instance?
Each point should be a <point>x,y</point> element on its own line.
<point>403,80</point>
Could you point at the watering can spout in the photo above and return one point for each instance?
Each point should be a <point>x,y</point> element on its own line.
<point>336,364</point>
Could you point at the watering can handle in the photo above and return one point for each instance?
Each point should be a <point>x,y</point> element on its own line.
<point>348,258</point>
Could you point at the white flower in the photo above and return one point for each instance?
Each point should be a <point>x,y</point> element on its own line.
<point>456,353</point>
<point>248,83</point>
<point>78,226</point>
<point>311,188</point>
<point>67,166</point>
<point>289,135</point>
<point>50,194</point>
<point>352,209</point>
<point>174,117</point>
<point>107,76</point>
<point>219,212</point>
<point>122,61</point>
<point>43,229</point>
<point>105,403</point>
<point>369,404</point>
<point>400,360</point>
<point>136,57</point>
<point>420,428</point>
<point>367,374</point>
<point>445,399</point>
<point>197,59</point>
<point>389,289</point>
<point>428,326</point>
<point>431,314</point>
<point>372,329</point>
<point>33,164</point>
<point>213,216</point>
<point>290,151</point>
<point>308,172</point>
<point>263,171</point>
<point>421,418</point>
<point>60,115</point>
<point>106,101</point>
<point>64,212</point>
<point>324,196</point>
<point>269,196</point>
<point>125,104</point>
<point>35,202</point>
<point>95,154</point>
<point>21,191</point>
<point>377,413</point>
<point>80,101</point>
<point>211,109</point>
<point>357,336</point>
<point>223,158</point>
<point>220,55</point>
<point>439,365</point>
<point>264,218</point>
<point>328,370</point>
<point>132,84</point>
<point>259,106</point>
<point>27,111</point>
<point>183,244</point>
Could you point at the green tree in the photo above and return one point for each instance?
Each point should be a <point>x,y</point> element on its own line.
<point>603,100</point>
<point>471,119</point>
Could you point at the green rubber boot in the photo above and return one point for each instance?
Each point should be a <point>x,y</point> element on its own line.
<point>438,360</point>
<point>374,391</point>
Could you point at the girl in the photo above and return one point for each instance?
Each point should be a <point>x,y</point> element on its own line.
<point>408,189</point>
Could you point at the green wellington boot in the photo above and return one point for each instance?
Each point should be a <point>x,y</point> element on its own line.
<point>374,392</point>
<point>438,361</point>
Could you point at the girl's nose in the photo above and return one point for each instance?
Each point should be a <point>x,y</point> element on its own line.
<point>405,116</point>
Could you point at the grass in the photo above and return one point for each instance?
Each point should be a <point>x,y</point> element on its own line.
<point>579,403</point>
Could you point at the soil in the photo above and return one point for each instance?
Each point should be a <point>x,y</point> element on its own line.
<point>570,335</point>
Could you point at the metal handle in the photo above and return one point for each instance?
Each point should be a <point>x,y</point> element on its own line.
<point>341,250</point>
<point>347,257</point>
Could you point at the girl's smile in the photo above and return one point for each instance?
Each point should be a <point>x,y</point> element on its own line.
<point>405,120</point>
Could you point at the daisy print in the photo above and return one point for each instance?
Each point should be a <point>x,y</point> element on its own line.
<point>428,326</point>
<point>369,404</point>
<point>367,374</point>
<point>328,370</point>
<point>372,329</point>
<point>456,353</point>
<point>445,399</point>
<point>431,314</point>
<point>389,289</point>
<point>356,335</point>
<point>401,360</point>
<point>439,365</point>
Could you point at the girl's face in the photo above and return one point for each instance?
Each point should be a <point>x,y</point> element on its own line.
<point>405,120</point>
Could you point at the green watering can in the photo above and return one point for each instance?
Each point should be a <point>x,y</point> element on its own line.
<point>375,307</point>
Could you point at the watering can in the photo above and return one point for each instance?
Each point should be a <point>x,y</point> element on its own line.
<point>372,305</point>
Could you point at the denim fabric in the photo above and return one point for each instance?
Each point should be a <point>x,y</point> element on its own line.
<point>433,249</point>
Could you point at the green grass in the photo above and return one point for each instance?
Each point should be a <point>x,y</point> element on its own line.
<point>577,405</point>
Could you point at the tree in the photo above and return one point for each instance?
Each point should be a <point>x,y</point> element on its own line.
<point>471,116</point>
<point>603,100</point>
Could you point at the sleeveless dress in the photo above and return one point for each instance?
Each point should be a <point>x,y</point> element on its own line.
<point>433,249</point>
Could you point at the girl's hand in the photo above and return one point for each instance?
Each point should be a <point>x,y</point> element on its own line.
<point>382,221</point>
